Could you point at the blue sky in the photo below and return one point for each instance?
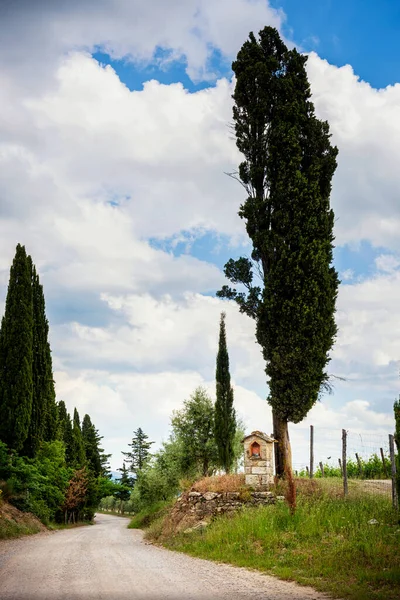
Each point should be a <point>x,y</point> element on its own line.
<point>362,33</point>
<point>119,192</point>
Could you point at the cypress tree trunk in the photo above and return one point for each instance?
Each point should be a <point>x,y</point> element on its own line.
<point>282,449</point>
<point>16,341</point>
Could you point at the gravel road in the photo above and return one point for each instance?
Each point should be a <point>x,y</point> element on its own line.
<point>110,562</point>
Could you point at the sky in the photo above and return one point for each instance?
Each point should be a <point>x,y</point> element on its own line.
<point>114,149</point>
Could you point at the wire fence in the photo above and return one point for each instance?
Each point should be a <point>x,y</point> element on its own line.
<point>354,461</point>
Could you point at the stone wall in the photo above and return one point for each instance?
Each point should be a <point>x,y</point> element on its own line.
<point>194,510</point>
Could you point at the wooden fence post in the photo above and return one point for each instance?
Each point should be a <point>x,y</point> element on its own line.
<point>311,451</point>
<point>344,461</point>
<point>321,466</point>
<point>384,463</point>
<point>395,499</point>
<point>360,469</point>
<point>341,468</point>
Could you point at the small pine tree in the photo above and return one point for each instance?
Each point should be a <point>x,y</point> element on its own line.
<point>225,418</point>
<point>16,347</point>
<point>140,452</point>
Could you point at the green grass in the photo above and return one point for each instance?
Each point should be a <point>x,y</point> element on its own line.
<point>328,544</point>
<point>148,515</point>
<point>11,529</point>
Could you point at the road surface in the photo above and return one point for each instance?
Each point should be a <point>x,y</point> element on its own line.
<point>107,561</point>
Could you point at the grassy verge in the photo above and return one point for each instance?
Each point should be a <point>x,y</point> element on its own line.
<point>57,526</point>
<point>330,543</point>
<point>14,523</point>
<point>149,515</point>
<point>10,529</point>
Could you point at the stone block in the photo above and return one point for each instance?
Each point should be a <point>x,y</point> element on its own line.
<point>194,494</point>
<point>232,495</point>
<point>252,480</point>
<point>247,469</point>
<point>266,479</point>
<point>210,496</point>
<point>258,470</point>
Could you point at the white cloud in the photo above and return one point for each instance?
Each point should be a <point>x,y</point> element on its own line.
<point>365,126</point>
<point>387,262</point>
<point>188,29</point>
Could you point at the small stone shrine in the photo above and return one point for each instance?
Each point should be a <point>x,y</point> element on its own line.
<point>259,459</point>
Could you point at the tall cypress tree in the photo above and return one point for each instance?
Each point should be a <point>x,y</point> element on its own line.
<point>16,340</point>
<point>225,418</point>
<point>91,440</point>
<point>43,424</point>
<point>78,448</point>
<point>287,171</point>
<point>64,431</point>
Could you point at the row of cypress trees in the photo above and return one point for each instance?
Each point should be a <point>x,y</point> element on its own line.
<point>28,410</point>
<point>29,414</point>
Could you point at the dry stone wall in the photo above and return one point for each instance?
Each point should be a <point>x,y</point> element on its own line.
<point>194,510</point>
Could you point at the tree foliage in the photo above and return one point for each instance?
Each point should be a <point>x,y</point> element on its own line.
<point>194,426</point>
<point>140,451</point>
<point>225,418</point>
<point>287,171</point>
<point>16,353</point>
<point>40,448</point>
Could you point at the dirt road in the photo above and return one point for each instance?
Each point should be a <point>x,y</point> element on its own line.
<point>110,562</point>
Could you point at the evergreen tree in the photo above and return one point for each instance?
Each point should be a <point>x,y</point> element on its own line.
<point>78,449</point>
<point>64,431</point>
<point>140,452</point>
<point>287,171</point>
<point>91,440</point>
<point>126,482</point>
<point>225,418</point>
<point>397,440</point>
<point>43,423</point>
<point>16,339</point>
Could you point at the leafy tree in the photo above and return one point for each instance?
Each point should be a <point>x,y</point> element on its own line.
<point>78,457</point>
<point>16,339</point>
<point>140,452</point>
<point>287,171</point>
<point>225,419</point>
<point>75,495</point>
<point>194,427</point>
